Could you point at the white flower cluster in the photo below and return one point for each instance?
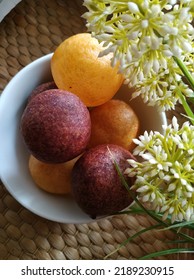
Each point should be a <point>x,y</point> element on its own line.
<point>143,36</point>
<point>165,176</point>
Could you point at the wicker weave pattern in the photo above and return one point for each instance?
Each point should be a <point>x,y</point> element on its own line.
<point>34,28</point>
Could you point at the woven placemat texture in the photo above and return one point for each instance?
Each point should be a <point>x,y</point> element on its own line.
<point>32,29</point>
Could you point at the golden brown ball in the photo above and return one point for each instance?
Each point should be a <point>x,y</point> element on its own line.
<point>53,178</point>
<point>114,122</point>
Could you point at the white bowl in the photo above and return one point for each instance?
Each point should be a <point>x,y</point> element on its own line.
<point>14,156</point>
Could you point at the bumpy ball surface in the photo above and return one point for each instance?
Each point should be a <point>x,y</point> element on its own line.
<point>77,67</point>
<point>56,126</point>
<point>114,122</point>
<point>96,185</point>
<point>52,178</point>
<point>41,88</point>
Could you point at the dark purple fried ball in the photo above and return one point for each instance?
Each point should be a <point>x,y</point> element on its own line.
<point>96,185</point>
<point>55,126</point>
<point>41,88</point>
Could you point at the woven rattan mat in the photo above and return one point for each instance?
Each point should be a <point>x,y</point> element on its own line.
<point>32,29</point>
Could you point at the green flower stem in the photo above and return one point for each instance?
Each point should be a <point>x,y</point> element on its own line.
<point>133,237</point>
<point>186,107</point>
<point>180,225</point>
<point>167,252</point>
<point>190,79</point>
<point>185,71</point>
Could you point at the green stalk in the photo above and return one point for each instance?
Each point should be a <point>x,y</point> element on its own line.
<point>180,225</point>
<point>167,252</point>
<point>190,80</point>
<point>133,237</point>
<point>186,107</point>
<point>185,71</point>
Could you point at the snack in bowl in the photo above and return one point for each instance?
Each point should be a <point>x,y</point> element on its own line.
<point>55,126</point>
<point>52,178</point>
<point>14,156</point>
<point>41,88</point>
<point>96,185</point>
<point>114,122</point>
<point>52,124</point>
<point>77,67</point>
